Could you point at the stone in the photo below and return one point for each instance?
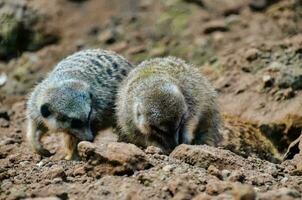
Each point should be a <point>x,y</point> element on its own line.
<point>137,49</point>
<point>168,168</point>
<point>204,156</point>
<point>259,5</point>
<point>268,81</point>
<point>4,114</point>
<point>217,187</point>
<point>153,150</point>
<point>237,176</point>
<point>252,54</point>
<point>114,158</point>
<point>243,192</point>
<point>225,174</point>
<point>109,36</point>
<point>3,79</point>
<point>181,188</point>
<point>202,196</point>
<point>215,26</point>
<point>44,198</point>
<point>214,171</point>
<point>280,194</point>
<point>54,172</point>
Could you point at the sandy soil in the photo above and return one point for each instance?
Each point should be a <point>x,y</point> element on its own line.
<point>251,51</point>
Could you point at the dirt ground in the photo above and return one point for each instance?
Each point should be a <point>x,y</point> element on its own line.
<point>251,50</point>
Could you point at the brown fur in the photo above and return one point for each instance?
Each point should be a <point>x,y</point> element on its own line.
<point>161,94</point>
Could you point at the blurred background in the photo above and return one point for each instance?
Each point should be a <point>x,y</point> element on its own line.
<point>250,49</point>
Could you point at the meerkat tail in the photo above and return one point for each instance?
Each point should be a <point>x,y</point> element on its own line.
<point>33,136</point>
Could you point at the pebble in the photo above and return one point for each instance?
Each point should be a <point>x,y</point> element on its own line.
<point>3,79</point>
<point>168,168</point>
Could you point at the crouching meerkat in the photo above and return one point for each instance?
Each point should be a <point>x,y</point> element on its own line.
<point>165,102</point>
<point>76,98</point>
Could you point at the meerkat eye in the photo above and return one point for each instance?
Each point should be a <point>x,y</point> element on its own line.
<point>45,112</point>
<point>77,123</point>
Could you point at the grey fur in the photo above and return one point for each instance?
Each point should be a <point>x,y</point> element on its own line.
<point>165,102</point>
<point>81,86</point>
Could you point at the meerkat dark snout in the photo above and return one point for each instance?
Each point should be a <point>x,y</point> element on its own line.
<point>76,98</point>
<point>165,102</point>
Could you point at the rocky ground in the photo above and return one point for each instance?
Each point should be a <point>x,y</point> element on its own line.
<point>250,50</point>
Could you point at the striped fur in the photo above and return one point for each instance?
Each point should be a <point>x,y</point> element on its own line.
<point>83,82</point>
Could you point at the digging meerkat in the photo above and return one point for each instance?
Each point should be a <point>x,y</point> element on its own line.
<point>76,98</point>
<point>165,102</point>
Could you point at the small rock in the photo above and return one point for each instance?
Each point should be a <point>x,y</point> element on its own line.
<point>259,5</point>
<point>252,54</point>
<point>57,180</point>
<point>168,168</point>
<point>215,26</point>
<point>203,196</point>
<point>79,171</point>
<point>55,172</point>
<point>79,44</point>
<point>43,198</point>
<point>214,171</point>
<point>94,30</point>
<point>4,114</point>
<point>123,158</point>
<point>153,150</point>
<point>275,66</point>
<point>285,94</point>
<point>284,180</point>
<point>137,49</point>
<point>3,79</point>
<point>289,93</point>
<point>268,81</point>
<point>280,194</point>
<point>243,192</point>
<point>7,141</point>
<point>216,187</point>
<point>4,123</point>
<point>237,176</point>
<point>287,80</point>
<point>119,46</point>
<point>108,36</point>
<point>159,51</point>
<point>204,156</point>
<point>225,174</point>
<point>182,188</point>
<point>297,83</point>
<point>40,164</point>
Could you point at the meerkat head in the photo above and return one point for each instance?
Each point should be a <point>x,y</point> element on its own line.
<point>67,107</point>
<point>159,113</point>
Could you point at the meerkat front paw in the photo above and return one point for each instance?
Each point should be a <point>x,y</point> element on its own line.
<point>71,144</point>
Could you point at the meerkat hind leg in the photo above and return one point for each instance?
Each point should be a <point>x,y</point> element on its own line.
<point>71,144</point>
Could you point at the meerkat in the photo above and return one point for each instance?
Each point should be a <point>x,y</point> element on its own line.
<point>165,102</point>
<point>76,98</point>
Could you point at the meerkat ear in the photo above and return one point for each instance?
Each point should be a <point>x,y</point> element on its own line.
<point>45,112</point>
